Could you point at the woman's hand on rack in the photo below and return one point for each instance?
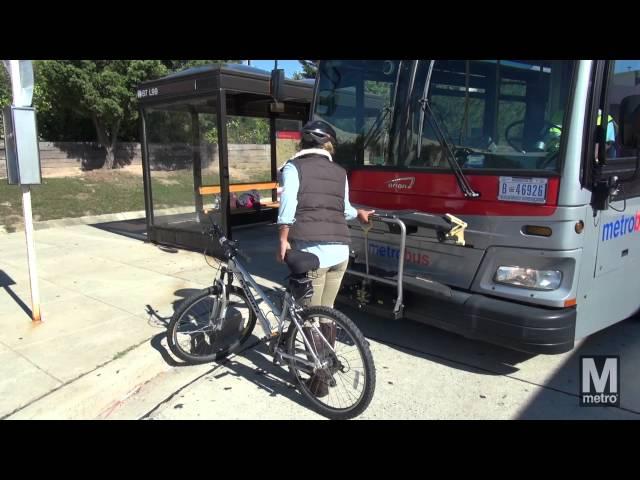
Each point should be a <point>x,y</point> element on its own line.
<point>363,215</point>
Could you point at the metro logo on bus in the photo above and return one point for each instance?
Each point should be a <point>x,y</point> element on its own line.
<point>623,226</point>
<point>410,256</point>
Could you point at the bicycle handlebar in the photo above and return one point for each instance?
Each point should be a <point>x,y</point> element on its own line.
<point>229,247</point>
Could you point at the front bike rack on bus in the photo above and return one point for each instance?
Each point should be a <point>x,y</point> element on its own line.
<point>448,228</point>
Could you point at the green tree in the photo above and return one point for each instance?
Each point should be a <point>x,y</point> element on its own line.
<point>177,65</point>
<point>101,90</point>
<point>309,69</point>
<point>5,93</point>
<point>242,130</point>
<point>41,100</point>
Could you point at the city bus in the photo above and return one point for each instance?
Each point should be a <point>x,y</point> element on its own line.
<point>507,193</point>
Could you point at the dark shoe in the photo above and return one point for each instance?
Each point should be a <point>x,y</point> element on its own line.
<point>319,383</point>
<point>329,330</point>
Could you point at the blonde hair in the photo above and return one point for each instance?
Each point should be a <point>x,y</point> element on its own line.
<point>328,146</point>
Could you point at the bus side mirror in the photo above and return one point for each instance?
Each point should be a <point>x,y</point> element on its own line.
<point>630,121</point>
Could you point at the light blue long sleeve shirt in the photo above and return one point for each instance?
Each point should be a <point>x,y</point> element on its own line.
<point>330,254</point>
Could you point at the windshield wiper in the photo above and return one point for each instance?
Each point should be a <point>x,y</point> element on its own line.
<point>376,127</point>
<point>463,183</point>
<point>382,116</point>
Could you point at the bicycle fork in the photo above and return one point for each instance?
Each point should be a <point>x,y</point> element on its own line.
<point>219,312</point>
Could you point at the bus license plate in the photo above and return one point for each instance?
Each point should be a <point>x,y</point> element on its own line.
<point>529,190</point>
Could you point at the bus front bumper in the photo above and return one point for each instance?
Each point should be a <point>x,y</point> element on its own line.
<point>517,326</point>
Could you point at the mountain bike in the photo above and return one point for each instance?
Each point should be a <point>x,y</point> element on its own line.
<point>325,351</point>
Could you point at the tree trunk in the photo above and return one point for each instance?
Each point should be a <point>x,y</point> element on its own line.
<point>110,159</point>
<point>109,144</point>
<point>114,144</point>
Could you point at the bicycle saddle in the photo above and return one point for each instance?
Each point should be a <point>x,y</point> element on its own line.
<point>300,262</point>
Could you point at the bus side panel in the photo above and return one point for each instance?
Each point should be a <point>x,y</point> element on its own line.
<point>609,288</point>
<point>453,265</point>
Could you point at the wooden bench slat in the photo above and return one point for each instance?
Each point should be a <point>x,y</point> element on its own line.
<point>243,187</point>
<point>244,209</point>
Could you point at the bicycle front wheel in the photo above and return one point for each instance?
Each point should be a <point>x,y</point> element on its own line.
<point>196,334</point>
<point>344,386</point>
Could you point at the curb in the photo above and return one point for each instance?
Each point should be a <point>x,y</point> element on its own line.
<point>93,219</point>
<point>98,393</point>
<point>101,392</point>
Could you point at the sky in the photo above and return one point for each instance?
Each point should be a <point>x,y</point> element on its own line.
<point>290,66</point>
<point>621,65</point>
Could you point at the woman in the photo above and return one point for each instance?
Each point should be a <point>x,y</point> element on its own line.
<point>314,209</point>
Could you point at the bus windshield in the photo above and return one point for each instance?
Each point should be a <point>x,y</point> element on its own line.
<point>495,114</point>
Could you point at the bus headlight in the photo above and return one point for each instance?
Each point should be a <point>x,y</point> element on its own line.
<point>528,277</point>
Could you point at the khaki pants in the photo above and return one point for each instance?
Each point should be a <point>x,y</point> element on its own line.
<point>326,283</point>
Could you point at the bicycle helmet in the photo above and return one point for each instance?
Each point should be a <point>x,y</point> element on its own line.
<point>318,132</point>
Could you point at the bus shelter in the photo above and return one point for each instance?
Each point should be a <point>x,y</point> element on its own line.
<point>213,138</point>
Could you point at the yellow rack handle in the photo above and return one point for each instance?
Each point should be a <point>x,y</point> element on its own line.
<point>457,229</point>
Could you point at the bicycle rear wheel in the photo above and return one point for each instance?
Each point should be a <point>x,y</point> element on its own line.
<point>195,337</point>
<point>344,387</point>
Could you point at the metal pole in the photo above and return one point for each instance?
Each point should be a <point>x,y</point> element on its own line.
<point>274,155</point>
<point>223,159</point>
<point>146,174</point>
<point>197,164</point>
<point>31,253</point>
<point>21,99</point>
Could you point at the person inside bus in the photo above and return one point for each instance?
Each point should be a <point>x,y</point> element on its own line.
<point>610,140</point>
<point>313,214</point>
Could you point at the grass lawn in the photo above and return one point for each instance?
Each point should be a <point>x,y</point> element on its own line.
<point>100,192</point>
<point>93,193</point>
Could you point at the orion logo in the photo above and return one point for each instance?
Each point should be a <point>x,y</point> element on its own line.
<point>403,183</point>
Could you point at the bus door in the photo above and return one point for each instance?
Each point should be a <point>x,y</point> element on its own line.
<point>618,254</point>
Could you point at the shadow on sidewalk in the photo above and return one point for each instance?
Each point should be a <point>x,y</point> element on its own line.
<point>156,319</point>
<point>275,379</point>
<point>5,282</point>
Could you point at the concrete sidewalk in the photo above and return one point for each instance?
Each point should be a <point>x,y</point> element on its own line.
<point>101,353</point>
<point>102,296</point>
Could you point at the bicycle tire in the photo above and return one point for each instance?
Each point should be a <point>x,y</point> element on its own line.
<point>346,324</point>
<point>217,354</point>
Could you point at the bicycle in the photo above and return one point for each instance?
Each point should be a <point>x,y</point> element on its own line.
<point>333,368</point>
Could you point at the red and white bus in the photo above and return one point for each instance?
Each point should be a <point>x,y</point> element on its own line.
<point>538,158</point>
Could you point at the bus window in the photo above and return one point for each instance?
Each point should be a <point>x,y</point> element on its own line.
<point>624,82</point>
<point>356,98</point>
<point>503,115</point>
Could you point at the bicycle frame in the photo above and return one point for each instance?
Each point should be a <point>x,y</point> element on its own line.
<point>289,309</point>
